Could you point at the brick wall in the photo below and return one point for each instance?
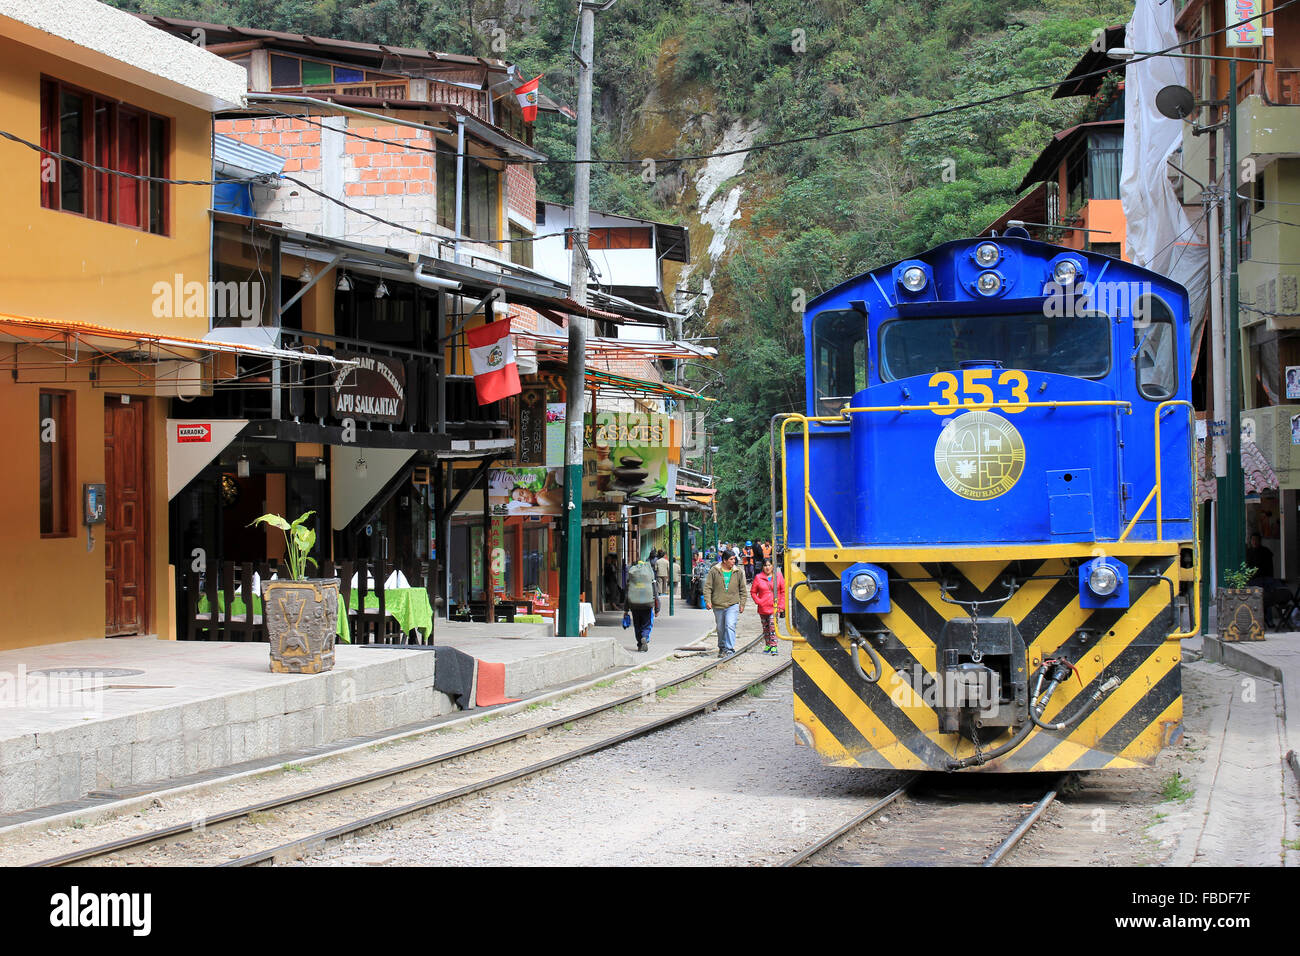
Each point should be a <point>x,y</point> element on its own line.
<point>521,192</point>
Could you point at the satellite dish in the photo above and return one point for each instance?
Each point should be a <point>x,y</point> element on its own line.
<point>1176,102</point>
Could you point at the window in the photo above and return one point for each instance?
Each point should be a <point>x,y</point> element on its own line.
<point>1093,169</point>
<point>1153,340</point>
<point>57,430</point>
<point>480,197</point>
<point>521,247</point>
<point>1078,345</point>
<point>616,237</point>
<point>534,559</point>
<point>115,136</point>
<point>840,357</point>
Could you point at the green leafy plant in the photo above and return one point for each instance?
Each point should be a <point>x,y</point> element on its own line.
<point>1239,578</point>
<point>1176,788</point>
<point>298,541</point>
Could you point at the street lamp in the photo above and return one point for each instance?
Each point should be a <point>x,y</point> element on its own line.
<point>1177,102</point>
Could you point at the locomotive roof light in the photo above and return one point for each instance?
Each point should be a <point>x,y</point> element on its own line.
<point>915,280</point>
<point>987,254</point>
<point>1066,271</point>
<point>989,283</point>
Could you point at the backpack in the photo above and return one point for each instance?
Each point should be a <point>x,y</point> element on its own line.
<point>641,586</point>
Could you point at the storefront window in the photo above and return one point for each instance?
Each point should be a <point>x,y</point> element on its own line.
<point>512,549</point>
<point>534,559</point>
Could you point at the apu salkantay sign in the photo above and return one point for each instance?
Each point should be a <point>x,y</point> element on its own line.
<point>373,391</point>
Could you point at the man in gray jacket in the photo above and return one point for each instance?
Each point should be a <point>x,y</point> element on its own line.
<point>724,595</point>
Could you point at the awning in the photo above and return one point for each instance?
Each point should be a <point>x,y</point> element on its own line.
<point>59,344</point>
<point>596,380</point>
<point>1257,473</point>
<point>95,338</point>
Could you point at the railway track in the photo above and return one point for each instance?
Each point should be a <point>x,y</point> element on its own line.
<point>937,820</point>
<point>270,830</point>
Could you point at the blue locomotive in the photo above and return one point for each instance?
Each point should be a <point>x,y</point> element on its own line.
<point>987,512</point>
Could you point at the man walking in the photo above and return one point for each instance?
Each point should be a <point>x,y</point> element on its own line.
<point>642,602</point>
<point>661,572</point>
<point>724,595</point>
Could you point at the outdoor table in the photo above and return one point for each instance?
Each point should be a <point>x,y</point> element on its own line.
<point>409,607</point>
<point>239,610</point>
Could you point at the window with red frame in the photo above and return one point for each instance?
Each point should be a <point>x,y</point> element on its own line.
<point>80,125</point>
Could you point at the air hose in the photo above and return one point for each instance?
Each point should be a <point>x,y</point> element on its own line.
<point>1059,672</point>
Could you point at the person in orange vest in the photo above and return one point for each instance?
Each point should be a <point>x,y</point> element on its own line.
<point>749,560</point>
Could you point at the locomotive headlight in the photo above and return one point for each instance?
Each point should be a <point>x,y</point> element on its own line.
<point>1103,580</point>
<point>1065,272</point>
<point>914,279</point>
<point>988,283</point>
<point>987,254</point>
<point>863,587</point>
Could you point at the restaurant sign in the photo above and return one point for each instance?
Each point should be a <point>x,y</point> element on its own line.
<point>374,390</point>
<point>530,439</point>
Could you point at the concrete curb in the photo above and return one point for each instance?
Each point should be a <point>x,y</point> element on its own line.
<point>1230,655</point>
<point>15,832</point>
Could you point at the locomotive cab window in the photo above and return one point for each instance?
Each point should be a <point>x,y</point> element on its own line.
<point>840,354</point>
<point>1153,349</point>
<point>1074,345</point>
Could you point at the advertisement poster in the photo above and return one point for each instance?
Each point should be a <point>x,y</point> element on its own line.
<point>1295,429</point>
<point>555,434</point>
<point>630,457</point>
<point>1293,381</point>
<point>525,491</point>
<point>530,437</point>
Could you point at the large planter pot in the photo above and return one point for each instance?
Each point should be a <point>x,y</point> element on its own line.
<point>301,621</point>
<point>1241,614</point>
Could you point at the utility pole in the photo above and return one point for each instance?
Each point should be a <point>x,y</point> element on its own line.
<point>1232,494</point>
<point>571,577</point>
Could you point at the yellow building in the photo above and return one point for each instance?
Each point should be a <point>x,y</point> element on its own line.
<point>93,337</point>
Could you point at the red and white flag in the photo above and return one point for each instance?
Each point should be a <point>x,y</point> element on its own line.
<point>492,355</point>
<point>527,95</point>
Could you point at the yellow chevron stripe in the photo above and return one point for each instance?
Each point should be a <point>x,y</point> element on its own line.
<point>930,591</point>
<point>1032,592</point>
<point>856,711</point>
<point>981,573</point>
<point>1024,552</point>
<point>1135,685</point>
<point>912,636</point>
<point>825,742</point>
<point>1153,739</point>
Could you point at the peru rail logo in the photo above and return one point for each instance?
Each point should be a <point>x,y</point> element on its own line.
<point>979,455</point>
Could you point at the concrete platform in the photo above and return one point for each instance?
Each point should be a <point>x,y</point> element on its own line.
<point>1247,795</point>
<point>145,711</point>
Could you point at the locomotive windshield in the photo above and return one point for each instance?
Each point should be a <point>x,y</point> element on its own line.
<point>1077,345</point>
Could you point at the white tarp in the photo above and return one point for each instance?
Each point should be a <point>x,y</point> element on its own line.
<point>1160,236</point>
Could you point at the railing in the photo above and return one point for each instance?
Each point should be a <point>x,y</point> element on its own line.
<point>380,89</point>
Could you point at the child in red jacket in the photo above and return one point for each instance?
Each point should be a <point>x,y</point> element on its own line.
<point>768,592</point>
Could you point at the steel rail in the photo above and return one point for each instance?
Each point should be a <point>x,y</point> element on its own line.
<point>295,848</point>
<point>998,854</point>
<point>1006,846</point>
<point>302,796</point>
<point>853,824</point>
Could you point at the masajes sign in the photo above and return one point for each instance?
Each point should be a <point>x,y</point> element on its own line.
<point>373,391</point>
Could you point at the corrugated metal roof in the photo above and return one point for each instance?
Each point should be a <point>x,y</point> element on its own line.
<point>238,154</point>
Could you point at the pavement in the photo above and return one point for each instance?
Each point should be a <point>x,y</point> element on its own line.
<point>1245,808</point>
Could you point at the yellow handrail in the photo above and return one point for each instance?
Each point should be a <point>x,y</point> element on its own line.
<point>937,408</point>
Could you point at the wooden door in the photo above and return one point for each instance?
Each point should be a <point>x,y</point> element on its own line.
<point>126,558</point>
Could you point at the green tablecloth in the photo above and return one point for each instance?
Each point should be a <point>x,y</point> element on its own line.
<point>409,607</point>
<point>342,631</point>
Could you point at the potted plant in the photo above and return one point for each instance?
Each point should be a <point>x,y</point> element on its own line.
<point>1240,607</point>
<point>301,614</point>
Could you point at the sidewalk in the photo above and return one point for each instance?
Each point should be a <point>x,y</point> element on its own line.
<point>686,625</point>
<point>1246,810</point>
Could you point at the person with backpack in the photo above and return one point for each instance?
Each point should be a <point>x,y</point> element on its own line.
<point>724,595</point>
<point>642,603</point>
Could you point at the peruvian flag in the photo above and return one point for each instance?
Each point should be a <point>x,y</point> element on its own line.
<point>528,98</point>
<point>492,355</point>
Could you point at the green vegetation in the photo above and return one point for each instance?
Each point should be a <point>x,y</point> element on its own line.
<point>1291,844</point>
<point>758,690</point>
<point>1239,578</point>
<point>1176,788</point>
<point>294,768</point>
